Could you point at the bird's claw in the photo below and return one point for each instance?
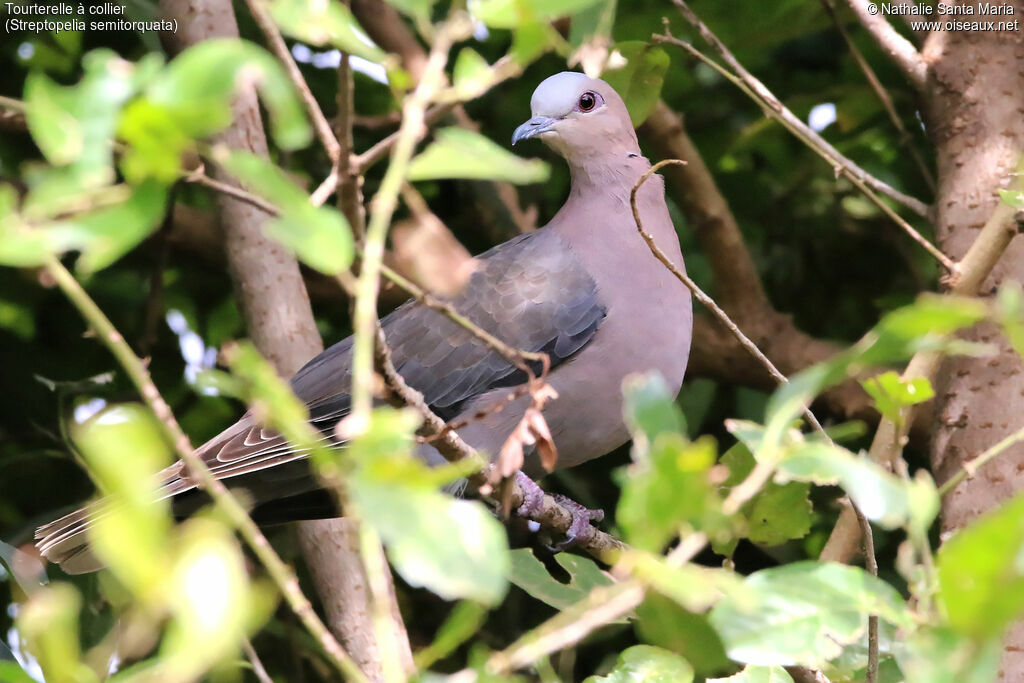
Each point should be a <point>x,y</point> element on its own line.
<point>582,516</point>
<point>533,502</point>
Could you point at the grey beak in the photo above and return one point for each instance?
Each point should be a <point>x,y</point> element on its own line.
<point>532,128</point>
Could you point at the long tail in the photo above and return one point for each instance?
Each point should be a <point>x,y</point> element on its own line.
<point>65,542</point>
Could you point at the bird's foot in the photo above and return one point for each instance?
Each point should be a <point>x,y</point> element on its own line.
<point>533,502</point>
<point>582,516</point>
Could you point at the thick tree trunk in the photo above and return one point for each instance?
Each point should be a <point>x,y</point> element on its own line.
<point>976,118</point>
<point>280,321</point>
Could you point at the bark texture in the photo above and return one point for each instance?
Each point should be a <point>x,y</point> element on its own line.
<point>280,322</point>
<point>975,114</point>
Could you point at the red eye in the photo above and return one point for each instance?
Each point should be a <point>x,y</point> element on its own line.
<point>587,101</point>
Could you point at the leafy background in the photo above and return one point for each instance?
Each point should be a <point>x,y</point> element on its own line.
<point>826,256</point>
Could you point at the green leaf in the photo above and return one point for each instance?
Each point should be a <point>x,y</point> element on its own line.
<point>662,622</point>
<point>11,672</point>
<point>512,13</point>
<point>419,9</point>
<point>639,80</point>
<point>879,494</point>
<point>803,613</point>
<point>454,548</point>
<point>49,624</point>
<point>647,664</point>
<point>1014,198</point>
<point>462,623</point>
<point>757,674</point>
<point>940,655</point>
<point>459,153</point>
<point>332,23</point>
<point>1010,313</point>
<point>981,573</point>
<point>648,407</point>
<point>472,74</point>
<point>891,394</point>
<point>74,125</point>
<point>319,236</point>
<point>694,587</point>
<point>532,576</point>
<point>197,88</point>
<point>666,489</point>
<point>778,512</point>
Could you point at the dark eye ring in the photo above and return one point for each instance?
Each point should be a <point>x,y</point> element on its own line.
<point>587,101</point>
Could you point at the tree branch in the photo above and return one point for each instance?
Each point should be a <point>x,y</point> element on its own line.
<point>900,50</point>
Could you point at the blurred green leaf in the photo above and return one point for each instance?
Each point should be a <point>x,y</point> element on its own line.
<point>11,672</point>
<point>757,674</point>
<point>778,512</point>
<point>662,622</point>
<point>472,74</point>
<point>125,452</point>
<point>981,574</point>
<point>532,576</point>
<point>332,23</point>
<point>694,587</point>
<point>319,236</point>
<point>649,408</point>
<point>647,664</point>
<point>460,153</point>
<point>1014,198</point>
<point>510,13</point>
<point>74,125</point>
<point>639,80</point>
<point>49,624</point>
<point>212,604</point>
<point>667,488</point>
<point>940,655</point>
<point>419,9</point>
<point>454,548</point>
<point>463,621</point>
<point>197,88</point>
<point>803,613</point>
<point>880,495</point>
<point>891,394</point>
<point>1010,313</point>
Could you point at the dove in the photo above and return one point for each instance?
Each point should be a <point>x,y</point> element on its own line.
<point>585,289</point>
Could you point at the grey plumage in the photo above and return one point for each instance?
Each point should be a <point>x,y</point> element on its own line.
<point>584,289</point>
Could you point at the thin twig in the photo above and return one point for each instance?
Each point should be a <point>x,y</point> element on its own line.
<point>774,108</point>
<point>699,294</point>
<point>871,675</point>
<point>375,565</point>
<point>320,123</point>
<point>282,575</point>
<point>970,468</point>
<point>882,94</point>
<point>199,177</point>
<point>384,204</point>
<point>257,665</point>
<point>899,49</point>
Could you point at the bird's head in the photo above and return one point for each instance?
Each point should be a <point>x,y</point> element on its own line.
<point>578,117</point>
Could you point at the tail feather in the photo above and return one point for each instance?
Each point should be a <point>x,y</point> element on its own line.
<point>65,542</point>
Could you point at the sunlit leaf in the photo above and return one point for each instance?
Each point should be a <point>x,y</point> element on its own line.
<point>1010,313</point>
<point>647,664</point>
<point>198,86</point>
<point>460,153</point>
<point>694,587</point>
<point>941,655</point>
<point>319,236</point>
<point>639,80</point>
<point>803,613</point>
<point>49,622</point>
<point>1014,198</point>
<point>508,13</point>
<point>757,674</point>
<point>472,74</point>
<point>332,23</point>
<point>981,575</point>
<point>532,576</point>
<point>454,548</point>
<point>891,394</point>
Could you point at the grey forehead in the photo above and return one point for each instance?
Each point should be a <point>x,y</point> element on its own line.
<point>557,95</point>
